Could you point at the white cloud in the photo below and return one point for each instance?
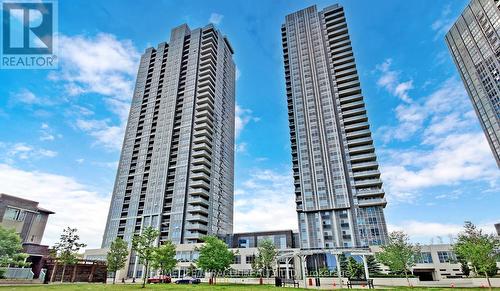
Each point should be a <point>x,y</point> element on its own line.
<point>47,133</point>
<point>105,134</point>
<point>241,147</point>
<point>237,74</point>
<point>265,202</point>
<point>434,232</point>
<point>451,160</point>
<point>26,96</point>
<point>21,151</point>
<point>449,102</point>
<point>452,148</point>
<point>389,79</point>
<point>443,24</point>
<point>242,118</point>
<point>216,18</point>
<point>72,202</point>
<point>101,65</point>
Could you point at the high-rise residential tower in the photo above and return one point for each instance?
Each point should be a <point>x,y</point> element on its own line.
<point>338,191</point>
<point>177,163</point>
<point>474,43</point>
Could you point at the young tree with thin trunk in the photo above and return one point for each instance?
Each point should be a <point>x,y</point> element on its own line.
<point>266,257</point>
<point>399,254</point>
<point>354,269</point>
<point>373,266</point>
<point>164,258</point>
<point>479,249</point>
<point>67,249</point>
<point>214,256</point>
<point>117,256</point>
<point>144,247</point>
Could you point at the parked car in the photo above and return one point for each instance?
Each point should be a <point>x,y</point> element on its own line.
<point>188,280</point>
<point>159,279</point>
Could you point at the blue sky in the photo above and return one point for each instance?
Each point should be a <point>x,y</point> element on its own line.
<point>61,130</point>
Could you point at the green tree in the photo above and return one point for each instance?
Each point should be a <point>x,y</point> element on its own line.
<point>479,249</point>
<point>398,254</point>
<point>11,249</point>
<point>266,257</point>
<point>354,269</point>
<point>67,249</point>
<point>144,247</point>
<point>464,266</point>
<point>164,258</point>
<point>373,266</point>
<point>191,270</point>
<point>214,256</point>
<point>117,256</point>
<point>343,264</point>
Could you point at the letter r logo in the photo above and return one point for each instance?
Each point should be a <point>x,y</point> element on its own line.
<point>27,28</point>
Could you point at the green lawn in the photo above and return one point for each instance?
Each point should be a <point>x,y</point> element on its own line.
<point>201,287</point>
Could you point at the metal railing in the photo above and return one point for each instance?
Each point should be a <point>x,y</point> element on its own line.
<point>18,273</point>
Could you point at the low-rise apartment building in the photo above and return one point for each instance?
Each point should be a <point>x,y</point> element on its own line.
<point>29,220</point>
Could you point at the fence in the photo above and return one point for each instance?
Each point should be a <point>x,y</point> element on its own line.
<point>18,273</point>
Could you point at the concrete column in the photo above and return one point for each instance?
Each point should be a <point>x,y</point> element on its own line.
<point>303,263</point>
<point>287,260</point>
<point>339,270</point>
<point>135,268</point>
<point>365,264</point>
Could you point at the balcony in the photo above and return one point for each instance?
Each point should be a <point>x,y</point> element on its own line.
<point>370,192</point>
<point>366,174</point>
<point>197,217</point>
<point>202,184</point>
<point>200,176</point>
<point>203,133</point>
<point>205,107</point>
<point>341,52</point>
<point>357,126</point>
<point>360,141</point>
<point>204,126</point>
<point>363,157</point>
<point>358,134</point>
<point>348,78</point>
<point>198,209</point>
<point>347,66</point>
<point>205,120</point>
<point>354,119</point>
<point>197,226</point>
<point>201,168</point>
<point>372,202</point>
<point>197,236</point>
<point>203,140</point>
<point>360,150</point>
<point>335,45</point>
<point>202,147</point>
<point>346,60</point>
<point>199,192</point>
<point>353,105</point>
<point>202,160</point>
<point>368,183</point>
<point>365,166</point>
<point>198,200</point>
<point>353,112</point>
